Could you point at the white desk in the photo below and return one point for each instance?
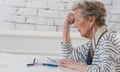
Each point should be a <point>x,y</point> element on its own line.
<point>48,69</point>
<point>17,63</point>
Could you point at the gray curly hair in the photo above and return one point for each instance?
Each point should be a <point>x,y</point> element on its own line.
<point>92,8</point>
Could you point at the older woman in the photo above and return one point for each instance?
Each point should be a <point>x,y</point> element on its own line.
<point>101,53</point>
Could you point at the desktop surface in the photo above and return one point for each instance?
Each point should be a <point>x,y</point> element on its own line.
<point>48,69</point>
<point>18,63</point>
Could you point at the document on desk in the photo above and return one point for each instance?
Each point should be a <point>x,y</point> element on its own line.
<point>49,69</point>
<point>45,61</point>
<point>38,67</point>
<point>52,64</point>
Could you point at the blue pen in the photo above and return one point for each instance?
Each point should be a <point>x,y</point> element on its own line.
<point>50,65</point>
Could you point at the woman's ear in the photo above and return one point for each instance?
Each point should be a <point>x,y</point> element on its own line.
<point>92,20</point>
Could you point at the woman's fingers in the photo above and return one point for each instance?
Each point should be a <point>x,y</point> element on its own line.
<point>63,61</point>
<point>66,62</point>
<point>70,18</point>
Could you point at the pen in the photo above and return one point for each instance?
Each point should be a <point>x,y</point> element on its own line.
<point>28,65</point>
<point>44,64</point>
<point>50,65</point>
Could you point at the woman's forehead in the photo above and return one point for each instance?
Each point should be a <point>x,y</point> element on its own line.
<point>78,12</point>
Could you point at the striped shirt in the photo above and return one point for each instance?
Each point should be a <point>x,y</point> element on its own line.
<point>106,52</point>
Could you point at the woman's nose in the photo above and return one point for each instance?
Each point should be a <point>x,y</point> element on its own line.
<point>75,25</point>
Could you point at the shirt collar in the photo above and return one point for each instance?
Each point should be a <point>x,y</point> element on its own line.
<point>99,32</point>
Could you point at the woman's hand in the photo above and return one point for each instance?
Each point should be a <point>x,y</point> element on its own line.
<point>73,65</point>
<point>70,18</point>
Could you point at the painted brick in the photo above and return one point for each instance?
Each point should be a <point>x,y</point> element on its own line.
<point>72,29</point>
<point>19,19</point>
<point>48,13</point>
<point>25,27</point>
<point>68,6</point>
<point>115,18</point>
<point>45,28</point>
<point>4,11</point>
<point>115,9</point>
<point>116,2</point>
<point>51,21</point>
<point>37,20</point>
<point>36,4</point>
<point>69,1</point>
<point>106,2</point>
<point>59,22</point>
<point>16,3</point>
<point>60,28</point>
<point>114,26</point>
<point>56,6</point>
<point>108,17</point>
<point>10,18</point>
<point>1,2</point>
<point>27,12</point>
<point>63,14</point>
<point>6,26</point>
<point>47,0</point>
<point>52,0</point>
<point>15,0</point>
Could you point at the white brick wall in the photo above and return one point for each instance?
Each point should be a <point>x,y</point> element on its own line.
<point>115,18</point>
<point>15,3</point>
<point>25,27</point>
<point>59,22</point>
<point>114,26</point>
<point>68,6</point>
<point>47,15</point>
<point>56,6</point>
<point>51,21</point>
<point>16,19</point>
<point>51,0</point>
<point>8,10</point>
<point>36,20</point>
<point>36,4</point>
<point>45,28</point>
<point>60,29</point>
<point>106,2</point>
<point>63,14</point>
<point>68,1</point>
<point>7,26</point>
<point>116,2</point>
<point>115,9</point>
<point>27,12</point>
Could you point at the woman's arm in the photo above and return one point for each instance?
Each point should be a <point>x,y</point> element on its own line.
<point>77,54</point>
<point>66,30</point>
<point>66,39</point>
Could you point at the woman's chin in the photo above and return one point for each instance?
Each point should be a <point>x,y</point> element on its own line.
<point>85,36</point>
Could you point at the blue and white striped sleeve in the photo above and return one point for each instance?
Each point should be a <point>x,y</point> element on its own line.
<point>78,54</point>
<point>107,58</point>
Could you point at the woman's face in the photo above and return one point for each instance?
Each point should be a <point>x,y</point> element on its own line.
<point>81,23</point>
